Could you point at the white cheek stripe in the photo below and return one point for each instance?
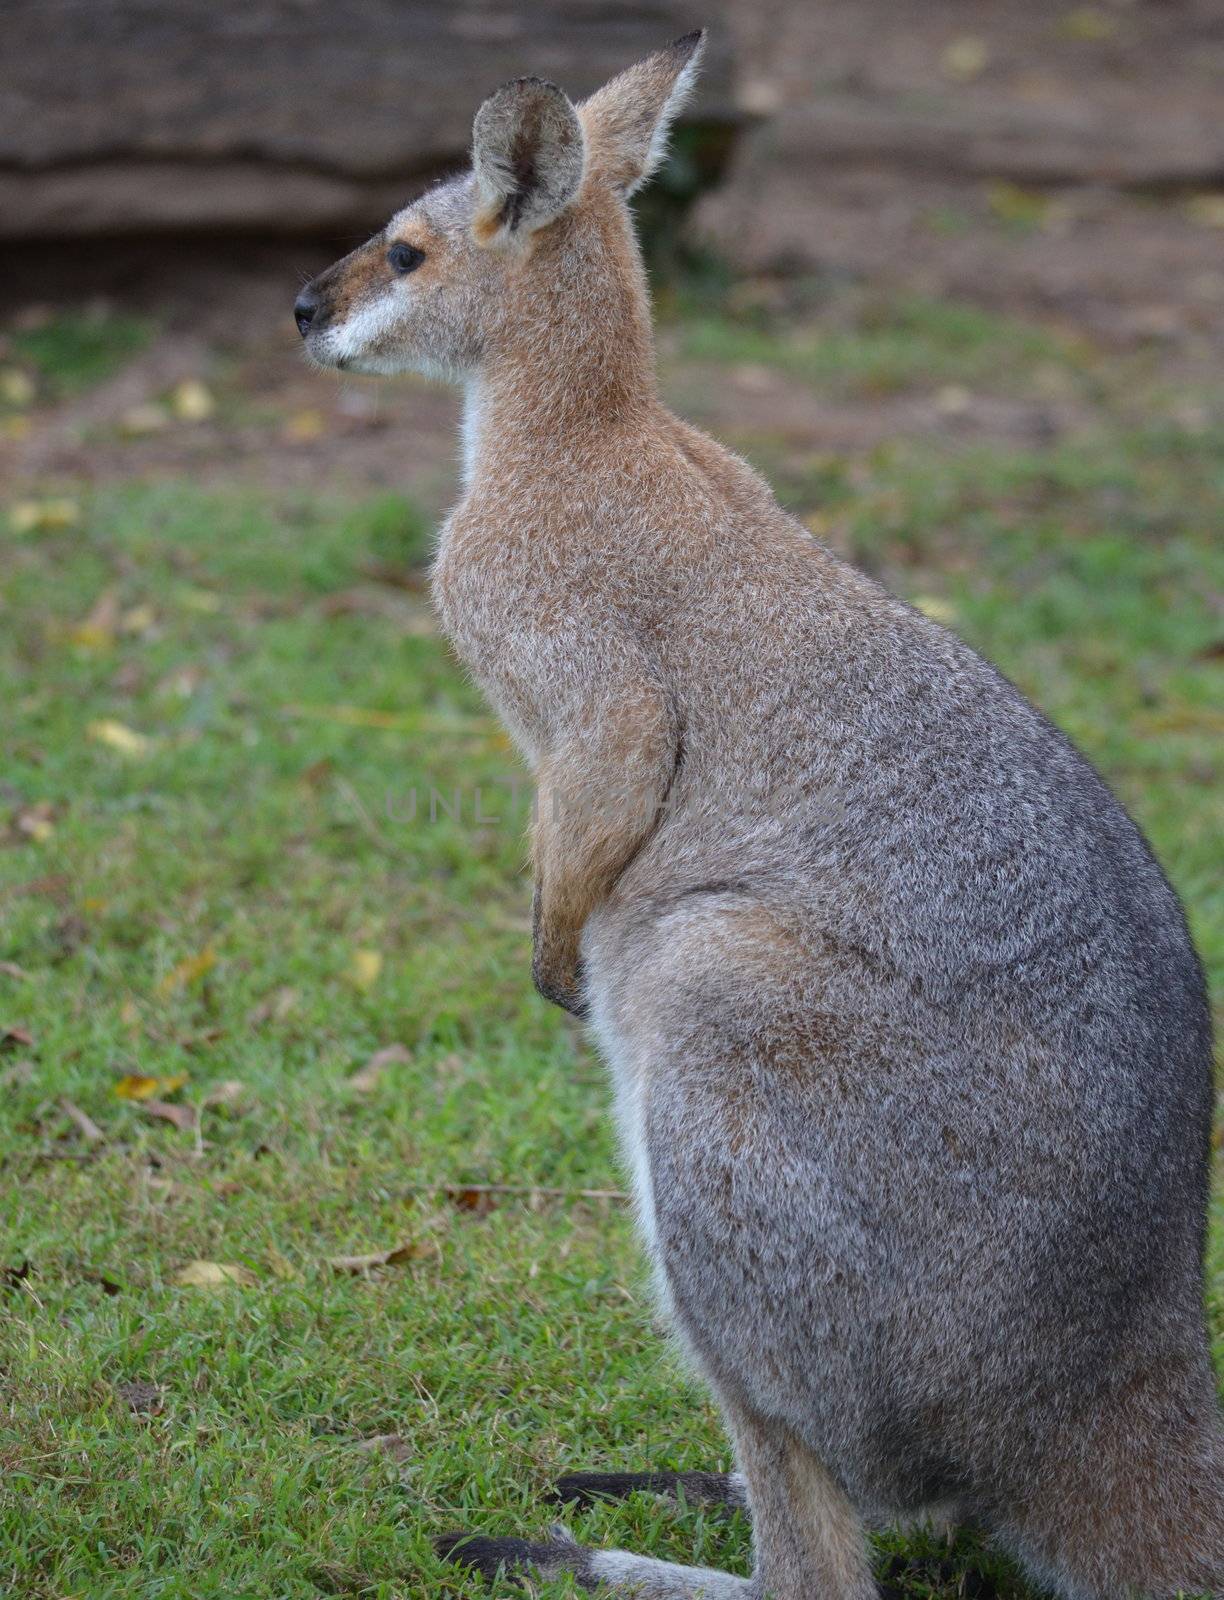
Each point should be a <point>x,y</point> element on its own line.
<point>362,328</point>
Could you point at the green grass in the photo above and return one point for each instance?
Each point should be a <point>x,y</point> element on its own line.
<point>888,347</point>
<point>264,821</point>
<point>74,350</point>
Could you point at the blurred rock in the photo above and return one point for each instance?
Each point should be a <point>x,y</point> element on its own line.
<point>896,134</point>
<point>281,116</point>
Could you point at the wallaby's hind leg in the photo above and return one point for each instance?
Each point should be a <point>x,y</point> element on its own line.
<point>808,1538</point>
<point>1133,1505</point>
<point>725,1490</point>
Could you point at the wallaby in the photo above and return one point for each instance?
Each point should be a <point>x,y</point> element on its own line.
<point>909,1043</point>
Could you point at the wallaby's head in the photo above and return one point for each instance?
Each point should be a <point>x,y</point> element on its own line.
<point>533,244</point>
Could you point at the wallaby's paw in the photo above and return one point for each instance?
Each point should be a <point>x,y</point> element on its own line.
<point>510,1559</point>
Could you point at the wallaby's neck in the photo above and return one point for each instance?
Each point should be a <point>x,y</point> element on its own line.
<point>575,372</point>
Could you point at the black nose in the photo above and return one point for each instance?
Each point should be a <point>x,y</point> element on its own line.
<point>305,308</point>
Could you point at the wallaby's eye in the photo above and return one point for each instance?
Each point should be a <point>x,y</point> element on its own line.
<point>403,258</point>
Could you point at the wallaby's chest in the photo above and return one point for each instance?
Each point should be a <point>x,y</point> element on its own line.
<point>510,613</point>
<point>508,591</point>
<point>489,600</point>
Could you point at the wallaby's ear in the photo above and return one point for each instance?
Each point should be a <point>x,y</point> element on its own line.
<point>627,121</point>
<point>528,153</point>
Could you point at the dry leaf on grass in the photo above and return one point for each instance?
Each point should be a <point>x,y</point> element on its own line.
<point>361,601</point>
<point>364,968</point>
<point>107,1284</point>
<point>184,1117</point>
<point>129,679</point>
<point>192,401</point>
<point>366,1079</point>
<point>274,1008</point>
<point>14,1035</point>
<point>44,516</point>
<point>214,1275</point>
<point>203,601</point>
<point>199,1041</point>
<point>304,426</point>
<point>138,619</point>
<point>482,1197</point>
<point>188,971</point>
<point>10,969</point>
<point>319,772</point>
<point>16,387</point>
<point>119,737</point>
<point>70,933</point>
<point>478,1201</point>
<point>388,1444</point>
<point>414,579</point>
<point>52,885</point>
<point>410,1250</point>
<point>97,630</point>
<point>140,1396</point>
<point>35,822</point>
<point>225,1094</point>
<point>83,1122</point>
<point>137,1086</point>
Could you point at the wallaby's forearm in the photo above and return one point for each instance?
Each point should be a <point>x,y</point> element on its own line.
<point>599,800</point>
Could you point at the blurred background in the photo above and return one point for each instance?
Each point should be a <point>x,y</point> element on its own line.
<point>170,169</point>
<point>311,1231</point>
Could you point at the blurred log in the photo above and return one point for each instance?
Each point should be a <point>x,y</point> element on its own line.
<point>878,110</point>
<point>281,116</point>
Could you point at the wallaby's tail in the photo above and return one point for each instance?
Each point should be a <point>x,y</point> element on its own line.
<point>725,1489</point>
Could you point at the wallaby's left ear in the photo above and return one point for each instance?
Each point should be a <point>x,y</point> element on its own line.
<point>528,153</point>
<point>627,121</point>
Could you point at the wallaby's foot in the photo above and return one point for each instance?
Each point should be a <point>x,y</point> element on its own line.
<point>513,1559</point>
<point>618,1571</point>
<point>723,1490</point>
